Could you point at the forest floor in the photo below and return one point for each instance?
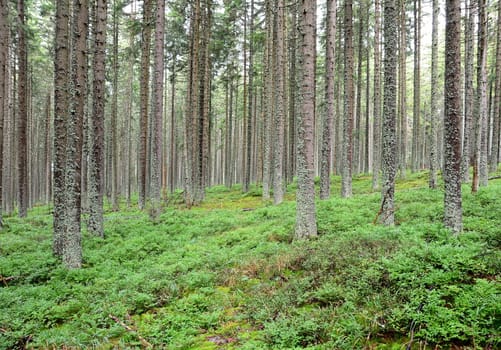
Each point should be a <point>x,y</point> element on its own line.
<point>229,275</point>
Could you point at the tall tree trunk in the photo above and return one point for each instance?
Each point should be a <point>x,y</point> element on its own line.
<point>434,114</point>
<point>389,151</point>
<point>346,181</point>
<point>72,245</point>
<point>144,103</point>
<point>452,117</point>
<point>96,178</point>
<point>417,88</point>
<point>497,99</point>
<point>279,66</point>
<point>402,90</point>
<point>4,28</point>
<point>376,155</point>
<point>249,106</point>
<point>328,124</point>
<point>306,225</point>
<point>61,108</point>
<point>158,96</point>
<point>114,112</point>
<point>22,124</point>
<point>479,156</point>
<point>468,135</point>
<point>357,142</point>
<point>268,100</point>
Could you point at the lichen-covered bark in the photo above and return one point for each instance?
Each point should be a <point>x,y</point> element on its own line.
<point>402,91</point>
<point>376,155</point>
<point>158,107</point>
<point>434,113</point>
<point>494,160</point>
<point>328,124</point>
<point>417,88</point>
<point>114,111</point>
<point>468,134</point>
<point>268,99</point>
<point>346,166</point>
<point>279,107</point>
<point>61,107</point>
<point>96,178</point>
<point>306,225</point>
<point>389,147</point>
<point>480,144</point>
<point>144,93</point>
<point>4,16</point>
<point>22,116</point>
<point>452,118</point>
<point>72,246</point>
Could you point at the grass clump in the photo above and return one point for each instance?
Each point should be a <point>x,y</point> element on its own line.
<point>229,275</point>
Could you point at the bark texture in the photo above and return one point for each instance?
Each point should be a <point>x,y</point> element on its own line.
<point>306,225</point>
<point>434,115</point>
<point>346,165</point>
<point>328,124</point>
<point>4,16</point>
<point>389,150</point>
<point>96,178</point>
<point>452,118</point>
<point>376,154</point>
<point>497,99</point>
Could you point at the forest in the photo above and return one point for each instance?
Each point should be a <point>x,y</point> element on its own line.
<point>250,174</point>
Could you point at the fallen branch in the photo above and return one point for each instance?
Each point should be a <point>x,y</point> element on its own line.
<point>495,177</point>
<point>7,279</point>
<point>143,341</point>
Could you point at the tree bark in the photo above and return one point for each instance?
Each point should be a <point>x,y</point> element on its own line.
<point>416,108</point>
<point>114,112</point>
<point>402,91</point>
<point>452,118</point>
<point>389,151</point>
<point>434,114</point>
<point>306,225</point>
<point>497,99</point>
<point>328,124</point>
<point>61,107</point>
<point>96,178</point>
<point>22,124</point>
<point>346,180</point>
<point>4,28</point>
<point>376,156</point>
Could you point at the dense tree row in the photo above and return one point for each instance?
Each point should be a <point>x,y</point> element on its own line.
<point>166,98</point>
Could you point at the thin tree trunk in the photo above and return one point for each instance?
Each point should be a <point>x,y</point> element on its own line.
<point>346,181</point>
<point>306,225</point>
<point>144,103</point>
<point>389,151</point>
<point>268,100</point>
<point>452,118</point>
<point>434,116</point>
<point>402,90</point>
<point>4,28</point>
<point>325,163</point>
<point>61,107</point>
<point>114,111</point>
<point>417,88</point>
<point>96,178</point>
<point>376,157</point>
<point>497,99</point>
<point>22,125</point>
<point>158,97</point>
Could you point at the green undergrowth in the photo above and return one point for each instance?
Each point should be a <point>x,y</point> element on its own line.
<point>229,275</point>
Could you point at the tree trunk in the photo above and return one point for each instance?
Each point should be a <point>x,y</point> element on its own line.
<point>389,151</point>
<point>402,90</point>
<point>22,124</point>
<point>114,111</point>
<point>96,178</point>
<point>279,66</point>
<point>306,225</point>
<point>61,107</point>
<point>497,99</point>
<point>376,155</point>
<point>268,100</point>
<point>468,135</point>
<point>434,113</point>
<point>328,125</point>
<point>346,181</point>
<point>4,28</point>
<point>417,89</point>
<point>158,97</point>
<point>452,118</point>
<point>144,103</point>
<point>479,157</point>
